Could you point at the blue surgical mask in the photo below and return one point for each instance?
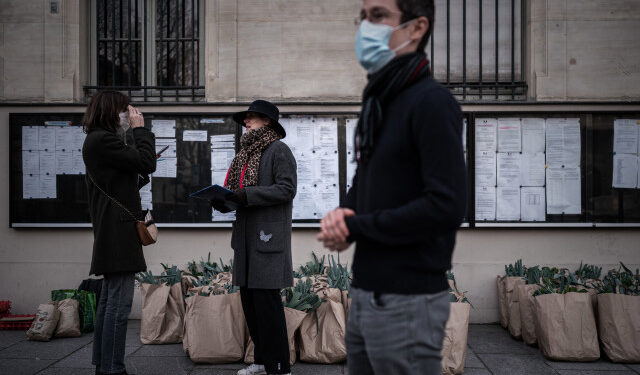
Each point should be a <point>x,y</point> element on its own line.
<point>372,45</point>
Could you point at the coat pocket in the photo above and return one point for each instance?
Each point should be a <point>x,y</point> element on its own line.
<point>269,237</point>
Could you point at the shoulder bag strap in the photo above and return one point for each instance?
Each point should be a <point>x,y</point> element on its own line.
<point>111,198</point>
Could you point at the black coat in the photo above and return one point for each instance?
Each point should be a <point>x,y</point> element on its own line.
<point>115,167</point>
<point>261,237</point>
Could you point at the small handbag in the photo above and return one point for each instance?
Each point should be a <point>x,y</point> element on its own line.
<point>147,229</point>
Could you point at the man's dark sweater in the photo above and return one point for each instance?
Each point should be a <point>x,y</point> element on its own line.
<point>410,196</point>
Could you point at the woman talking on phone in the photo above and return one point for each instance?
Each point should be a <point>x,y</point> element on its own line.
<point>113,170</point>
<point>263,177</point>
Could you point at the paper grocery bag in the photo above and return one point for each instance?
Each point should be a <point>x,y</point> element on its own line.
<point>346,302</point>
<point>566,327</point>
<point>502,303</point>
<point>527,312</point>
<point>293,318</point>
<point>333,294</point>
<point>619,326</point>
<point>162,314</point>
<point>187,282</point>
<point>44,323</point>
<point>513,306</point>
<point>324,342</point>
<point>69,322</point>
<point>214,328</point>
<point>454,346</point>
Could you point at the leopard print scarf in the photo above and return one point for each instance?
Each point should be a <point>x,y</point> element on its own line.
<point>252,144</point>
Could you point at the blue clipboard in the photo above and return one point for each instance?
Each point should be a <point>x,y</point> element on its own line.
<point>218,194</point>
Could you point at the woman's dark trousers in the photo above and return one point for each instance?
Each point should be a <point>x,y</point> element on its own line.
<point>264,314</point>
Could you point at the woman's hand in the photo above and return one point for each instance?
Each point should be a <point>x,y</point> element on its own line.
<point>135,117</point>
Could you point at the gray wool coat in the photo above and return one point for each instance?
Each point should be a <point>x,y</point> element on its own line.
<point>261,236</point>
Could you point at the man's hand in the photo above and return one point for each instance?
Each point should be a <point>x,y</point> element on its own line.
<point>334,231</point>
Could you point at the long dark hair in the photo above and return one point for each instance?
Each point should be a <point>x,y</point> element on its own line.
<point>103,110</point>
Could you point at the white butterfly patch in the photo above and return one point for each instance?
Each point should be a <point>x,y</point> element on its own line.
<point>265,237</point>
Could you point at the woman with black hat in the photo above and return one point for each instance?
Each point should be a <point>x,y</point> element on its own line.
<point>264,179</point>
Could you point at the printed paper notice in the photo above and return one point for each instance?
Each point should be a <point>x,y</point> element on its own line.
<point>219,216</point>
<point>30,186</point>
<point>563,143</point>
<point>171,152</point>
<point>485,168</point>
<point>194,136</point>
<point>351,163</point>
<point>64,162</point>
<point>30,139</point>
<point>486,134</point>
<point>508,164</point>
<point>306,171</point>
<point>532,203</point>
<point>166,167</point>
<point>327,198</point>
<point>563,191</point>
<point>47,163</point>
<point>508,203</point>
<point>78,138</point>
<point>485,203</point>
<point>509,135</point>
<point>78,163</point>
<point>164,128</point>
<point>64,138</point>
<point>533,135</point>
<point>625,171</point>
<point>30,162</point>
<point>218,177</point>
<point>304,206</point>
<point>47,138</point>
<point>48,188</point>
<point>533,169</point>
<point>625,136</point>
<point>221,159</point>
<point>304,134</point>
<point>325,133</point>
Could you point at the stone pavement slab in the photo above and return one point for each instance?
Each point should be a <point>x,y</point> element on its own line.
<point>491,351</point>
<point>54,349</point>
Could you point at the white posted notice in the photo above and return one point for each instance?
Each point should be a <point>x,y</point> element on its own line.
<point>625,171</point>
<point>485,168</point>
<point>31,186</point>
<point>304,206</point>
<point>64,162</point>
<point>30,162</point>
<point>194,136</point>
<point>533,169</point>
<point>351,163</point>
<point>486,134</point>
<point>164,128</point>
<point>171,152</point>
<point>47,138</point>
<point>532,202</point>
<point>64,138</point>
<point>47,163</point>
<point>325,133</point>
<point>30,139</point>
<point>508,203</point>
<point>625,136</point>
<point>563,191</point>
<point>533,135</point>
<point>563,142</point>
<point>509,135</point>
<point>166,167</point>
<point>485,203</point>
<point>508,165</point>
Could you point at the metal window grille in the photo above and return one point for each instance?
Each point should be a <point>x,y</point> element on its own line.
<point>476,49</point>
<point>150,61</point>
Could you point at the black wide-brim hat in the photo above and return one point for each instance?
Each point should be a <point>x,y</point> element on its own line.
<point>265,108</point>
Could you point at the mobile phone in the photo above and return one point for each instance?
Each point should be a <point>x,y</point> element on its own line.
<point>161,151</point>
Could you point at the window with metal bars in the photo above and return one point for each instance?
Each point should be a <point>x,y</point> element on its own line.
<point>476,49</point>
<point>149,49</point>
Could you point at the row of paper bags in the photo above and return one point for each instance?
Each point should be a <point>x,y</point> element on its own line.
<point>212,328</point>
<point>564,325</point>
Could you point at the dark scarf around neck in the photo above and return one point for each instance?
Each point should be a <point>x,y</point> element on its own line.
<point>384,86</point>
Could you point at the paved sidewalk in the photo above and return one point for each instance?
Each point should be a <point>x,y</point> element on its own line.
<point>491,351</point>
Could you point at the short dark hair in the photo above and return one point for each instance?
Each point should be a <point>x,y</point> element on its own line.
<point>103,111</point>
<point>418,8</point>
